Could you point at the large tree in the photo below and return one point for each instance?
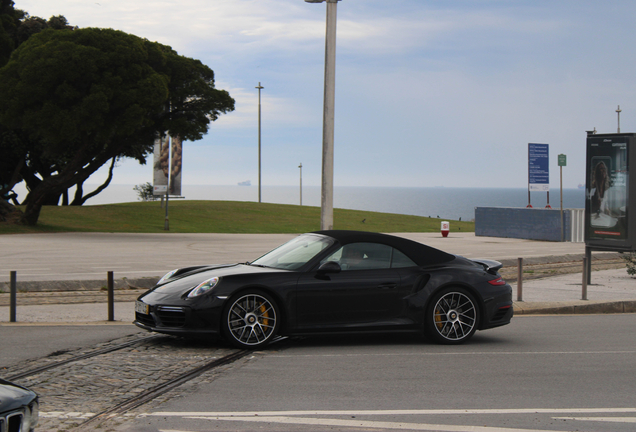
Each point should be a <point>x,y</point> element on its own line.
<point>16,26</point>
<point>77,99</point>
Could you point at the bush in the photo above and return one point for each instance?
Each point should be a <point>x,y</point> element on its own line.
<point>630,259</point>
<point>145,192</point>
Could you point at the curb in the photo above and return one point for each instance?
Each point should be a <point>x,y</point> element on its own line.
<point>79,285</point>
<point>575,307</point>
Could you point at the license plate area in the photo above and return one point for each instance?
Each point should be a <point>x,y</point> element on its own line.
<point>142,307</point>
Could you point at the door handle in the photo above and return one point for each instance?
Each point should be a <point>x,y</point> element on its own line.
<point>388,285</point>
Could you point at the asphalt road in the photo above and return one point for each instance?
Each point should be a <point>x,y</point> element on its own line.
<point>24,342</point>
<point>550,373</point>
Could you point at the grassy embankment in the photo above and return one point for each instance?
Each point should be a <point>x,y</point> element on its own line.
<point>220,217</point>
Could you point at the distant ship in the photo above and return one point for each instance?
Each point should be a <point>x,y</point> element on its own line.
<point>245,183</point>
<point>581,186</point>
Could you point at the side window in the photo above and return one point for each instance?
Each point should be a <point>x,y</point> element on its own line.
<point>362,256</point>
<point>401,260</point>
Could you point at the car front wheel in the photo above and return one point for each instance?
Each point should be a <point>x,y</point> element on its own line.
<point>452,316</point>
<point>250,320</point>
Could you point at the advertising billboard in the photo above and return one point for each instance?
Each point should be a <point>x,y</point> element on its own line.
<point>609,222</point>
<point>167,168</point>
<point>161,166</point>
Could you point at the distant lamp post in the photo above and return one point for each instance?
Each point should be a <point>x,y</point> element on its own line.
<point>326,205</point>
<point>260,87</point>
<point>618,111</point>
<point>301,183</point>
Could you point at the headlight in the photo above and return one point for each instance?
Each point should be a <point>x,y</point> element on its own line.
<point>167,276</point>
<point>31,416</point>
<point>204,287</point>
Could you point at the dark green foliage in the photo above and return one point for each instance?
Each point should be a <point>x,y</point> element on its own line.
<point>145,192</point>
<point>83,97</point>
<point>630,262</point>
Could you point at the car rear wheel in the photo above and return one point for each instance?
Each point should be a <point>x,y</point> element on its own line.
<point>452,316</point>
<point>251,320</point>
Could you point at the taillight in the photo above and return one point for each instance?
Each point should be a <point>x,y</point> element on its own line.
<point>497,282</point>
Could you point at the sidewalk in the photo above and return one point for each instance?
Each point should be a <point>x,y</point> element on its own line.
<point>83,257</point>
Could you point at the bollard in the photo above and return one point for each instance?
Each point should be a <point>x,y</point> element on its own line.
<point>14,297</point>
<point>111,297</point>
<point>584,282</point>
<point>445,228</point>
<point>519,279</point>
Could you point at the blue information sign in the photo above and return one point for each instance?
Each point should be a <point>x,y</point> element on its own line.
<point>538,167</point>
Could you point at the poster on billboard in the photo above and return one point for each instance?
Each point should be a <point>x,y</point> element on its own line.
<point>538,167</point>
<point>607,189</point>
<point>161,166</point>
<point>176,166</point>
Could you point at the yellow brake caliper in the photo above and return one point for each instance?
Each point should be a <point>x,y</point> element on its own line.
<point>264,315</point>
<point>438,319</point>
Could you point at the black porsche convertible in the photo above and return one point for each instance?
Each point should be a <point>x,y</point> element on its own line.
<point>331,281</point>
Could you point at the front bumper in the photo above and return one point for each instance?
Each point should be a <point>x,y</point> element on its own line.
<point>181,320</point>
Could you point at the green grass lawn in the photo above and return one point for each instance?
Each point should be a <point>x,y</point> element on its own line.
<point>220,217</point>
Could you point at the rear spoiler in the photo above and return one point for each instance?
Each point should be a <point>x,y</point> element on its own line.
<point>490,266</point>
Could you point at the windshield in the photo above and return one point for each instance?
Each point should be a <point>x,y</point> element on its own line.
<point>295,253</point>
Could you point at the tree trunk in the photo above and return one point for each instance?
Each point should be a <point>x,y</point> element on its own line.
<point>80,199</point>
<point>9,213</point>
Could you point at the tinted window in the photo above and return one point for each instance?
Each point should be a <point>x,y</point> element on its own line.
<point>401,260</point>
<point>362,256</point>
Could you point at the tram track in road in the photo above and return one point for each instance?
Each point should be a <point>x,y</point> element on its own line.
<point>152,393</point>
<point>37,370</point>
<point>83,389</point>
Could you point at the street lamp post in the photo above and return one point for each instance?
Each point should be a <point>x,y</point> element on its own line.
<point>260,87</point>
<point>326,207</point>
<point>301,183</point>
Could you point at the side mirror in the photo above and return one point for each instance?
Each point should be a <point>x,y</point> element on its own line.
<point>329,267</point>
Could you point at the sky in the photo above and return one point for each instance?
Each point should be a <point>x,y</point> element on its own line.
<point>429,93</point>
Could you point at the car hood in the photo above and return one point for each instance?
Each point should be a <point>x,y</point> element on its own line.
<point>13,396</point>
<point>184,282</point>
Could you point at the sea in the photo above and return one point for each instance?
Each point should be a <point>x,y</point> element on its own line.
<point>436,202</point>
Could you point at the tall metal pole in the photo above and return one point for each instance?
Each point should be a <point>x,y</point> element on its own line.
<point>326,204</point>
<point>618,111</point>
<point>326,208</point>
<point>260,87</point>
<point>301,183</point>
<point>166,222</point>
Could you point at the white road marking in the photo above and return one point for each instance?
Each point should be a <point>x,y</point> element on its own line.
<point>601,419</point>
<point>371,424</point>
<point>484,353</point>
<point>392,412</point>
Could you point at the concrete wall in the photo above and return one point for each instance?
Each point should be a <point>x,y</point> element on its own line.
<point>523,223</point>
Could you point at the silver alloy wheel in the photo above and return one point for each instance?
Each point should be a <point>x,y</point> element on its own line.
<point>454,316</point>
<point>251,320</point>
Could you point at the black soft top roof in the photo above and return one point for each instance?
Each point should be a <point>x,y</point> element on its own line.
<point>418,252</point>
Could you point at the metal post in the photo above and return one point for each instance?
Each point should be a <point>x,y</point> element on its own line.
<point>13,297</point>
<point>111,297</point>
<point>260,87</point>
<point>618,111</point>
<point>584,282</point>
<point>588,270</point>
<point>326,208</point>
<point>561,190</point>
<point>301,183</point>
<point>166,222</point>
<point>519,279</point>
